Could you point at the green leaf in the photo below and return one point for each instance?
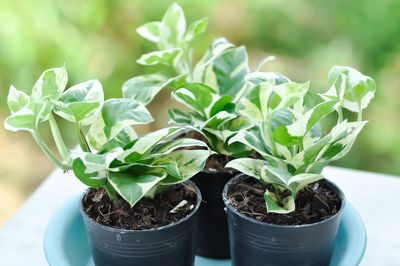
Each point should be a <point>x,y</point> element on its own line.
<point>178,117</point>
<point>174,21</point>
<point>151,31</point>
<point>92,169</point>
<point>165,57</point>
<point>252,167</point>
<point>115,115</point>
<point>255,78</point>
<point>298,182</point>
<point>354,89</point>
<point>197,96</point>
<point>254,105</point>
<point>26,119</point>
<point>81,102</point>
<point>188,163</point>
<point>294,133</point>
<point>144,144</point>
<point>274,206</point>
<point>171,145</point>
<point>252,139</point>
<point>195,29</point>
<point>145,87</point>
<point>50,84</point>
<point>16,99</point>
<point>133,188</point>
<point>230,69</point>
<point>217,47</point>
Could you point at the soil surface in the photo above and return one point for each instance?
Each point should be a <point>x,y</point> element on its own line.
<point>315,203</point>
<point>147,213</point>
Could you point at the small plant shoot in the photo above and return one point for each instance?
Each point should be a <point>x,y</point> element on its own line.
<point>111,155</point>
<point>210,88</point>
<point>288,133</point>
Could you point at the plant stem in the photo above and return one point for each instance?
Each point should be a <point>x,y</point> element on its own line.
<point>81,140</point>
<point>340,114</point>
<point>359,116</point>
<point>49,154</point>
<point>62,148</point>
<point>266,130</point>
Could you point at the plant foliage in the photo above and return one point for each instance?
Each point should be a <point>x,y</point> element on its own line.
<point>112,155</point>
<point>288,133</point>
<point>210,88</point>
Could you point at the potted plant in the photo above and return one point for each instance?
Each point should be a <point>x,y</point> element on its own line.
<point>210,89</point>
<point>139,208</point>
<point>280,210</point>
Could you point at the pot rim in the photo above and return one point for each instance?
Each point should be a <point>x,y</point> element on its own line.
<point>328,182</point>
<point>165,227</point>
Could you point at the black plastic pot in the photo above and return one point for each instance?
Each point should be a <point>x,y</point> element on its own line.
<point>212,227</point>
<point>170,245</point>
<point>256,243</point>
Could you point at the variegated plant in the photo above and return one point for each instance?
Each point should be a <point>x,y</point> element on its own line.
<point>288,132</point>
<point>210,88</point>
<point>112,155</point>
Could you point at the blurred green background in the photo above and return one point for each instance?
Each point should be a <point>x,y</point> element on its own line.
<point>97,39</point>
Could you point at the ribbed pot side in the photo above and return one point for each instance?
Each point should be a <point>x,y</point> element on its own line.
<point>170,245</point>
<point>256,243</point>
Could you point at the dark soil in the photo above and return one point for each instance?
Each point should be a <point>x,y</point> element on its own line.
<point>315,203</point>
<point>147,213</point>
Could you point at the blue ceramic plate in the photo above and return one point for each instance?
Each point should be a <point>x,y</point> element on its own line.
<point>65,241</point>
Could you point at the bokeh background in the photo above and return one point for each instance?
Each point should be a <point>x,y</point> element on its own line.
<point>97,39</point>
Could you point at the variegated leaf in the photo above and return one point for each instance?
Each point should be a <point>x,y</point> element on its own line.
<point>165,57</point>
<point>92,169</point>
<point>16,99</point>
<point>293,134</point>
<point>175,23</point>
<point>151,31</point>
<point>25,119</point>
<point>195,29</point>
<point>230,68</point>
<point>81,102</point>
<point>218,46</point>
<point>145,144</point>
<point>171,145</point>
<point>274,206</point>
<point>145,87</point>
<point>187,162</point>
<point>133,188</point>
<point>356,88</point>
<point>115,115</point>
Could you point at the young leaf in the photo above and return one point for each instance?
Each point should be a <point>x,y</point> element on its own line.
<point>357,89</point>
<point>16,99</point>
<point>165,57</point>
<point>115,115</point>
<point>26,118</point>
<point>195,29</point>
<point>151,31</point>
<point>50,84</point>
<point>174,21</point>
<point>80,102</point>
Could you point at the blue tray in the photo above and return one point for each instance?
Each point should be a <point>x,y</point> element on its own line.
<point>65,241</point>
